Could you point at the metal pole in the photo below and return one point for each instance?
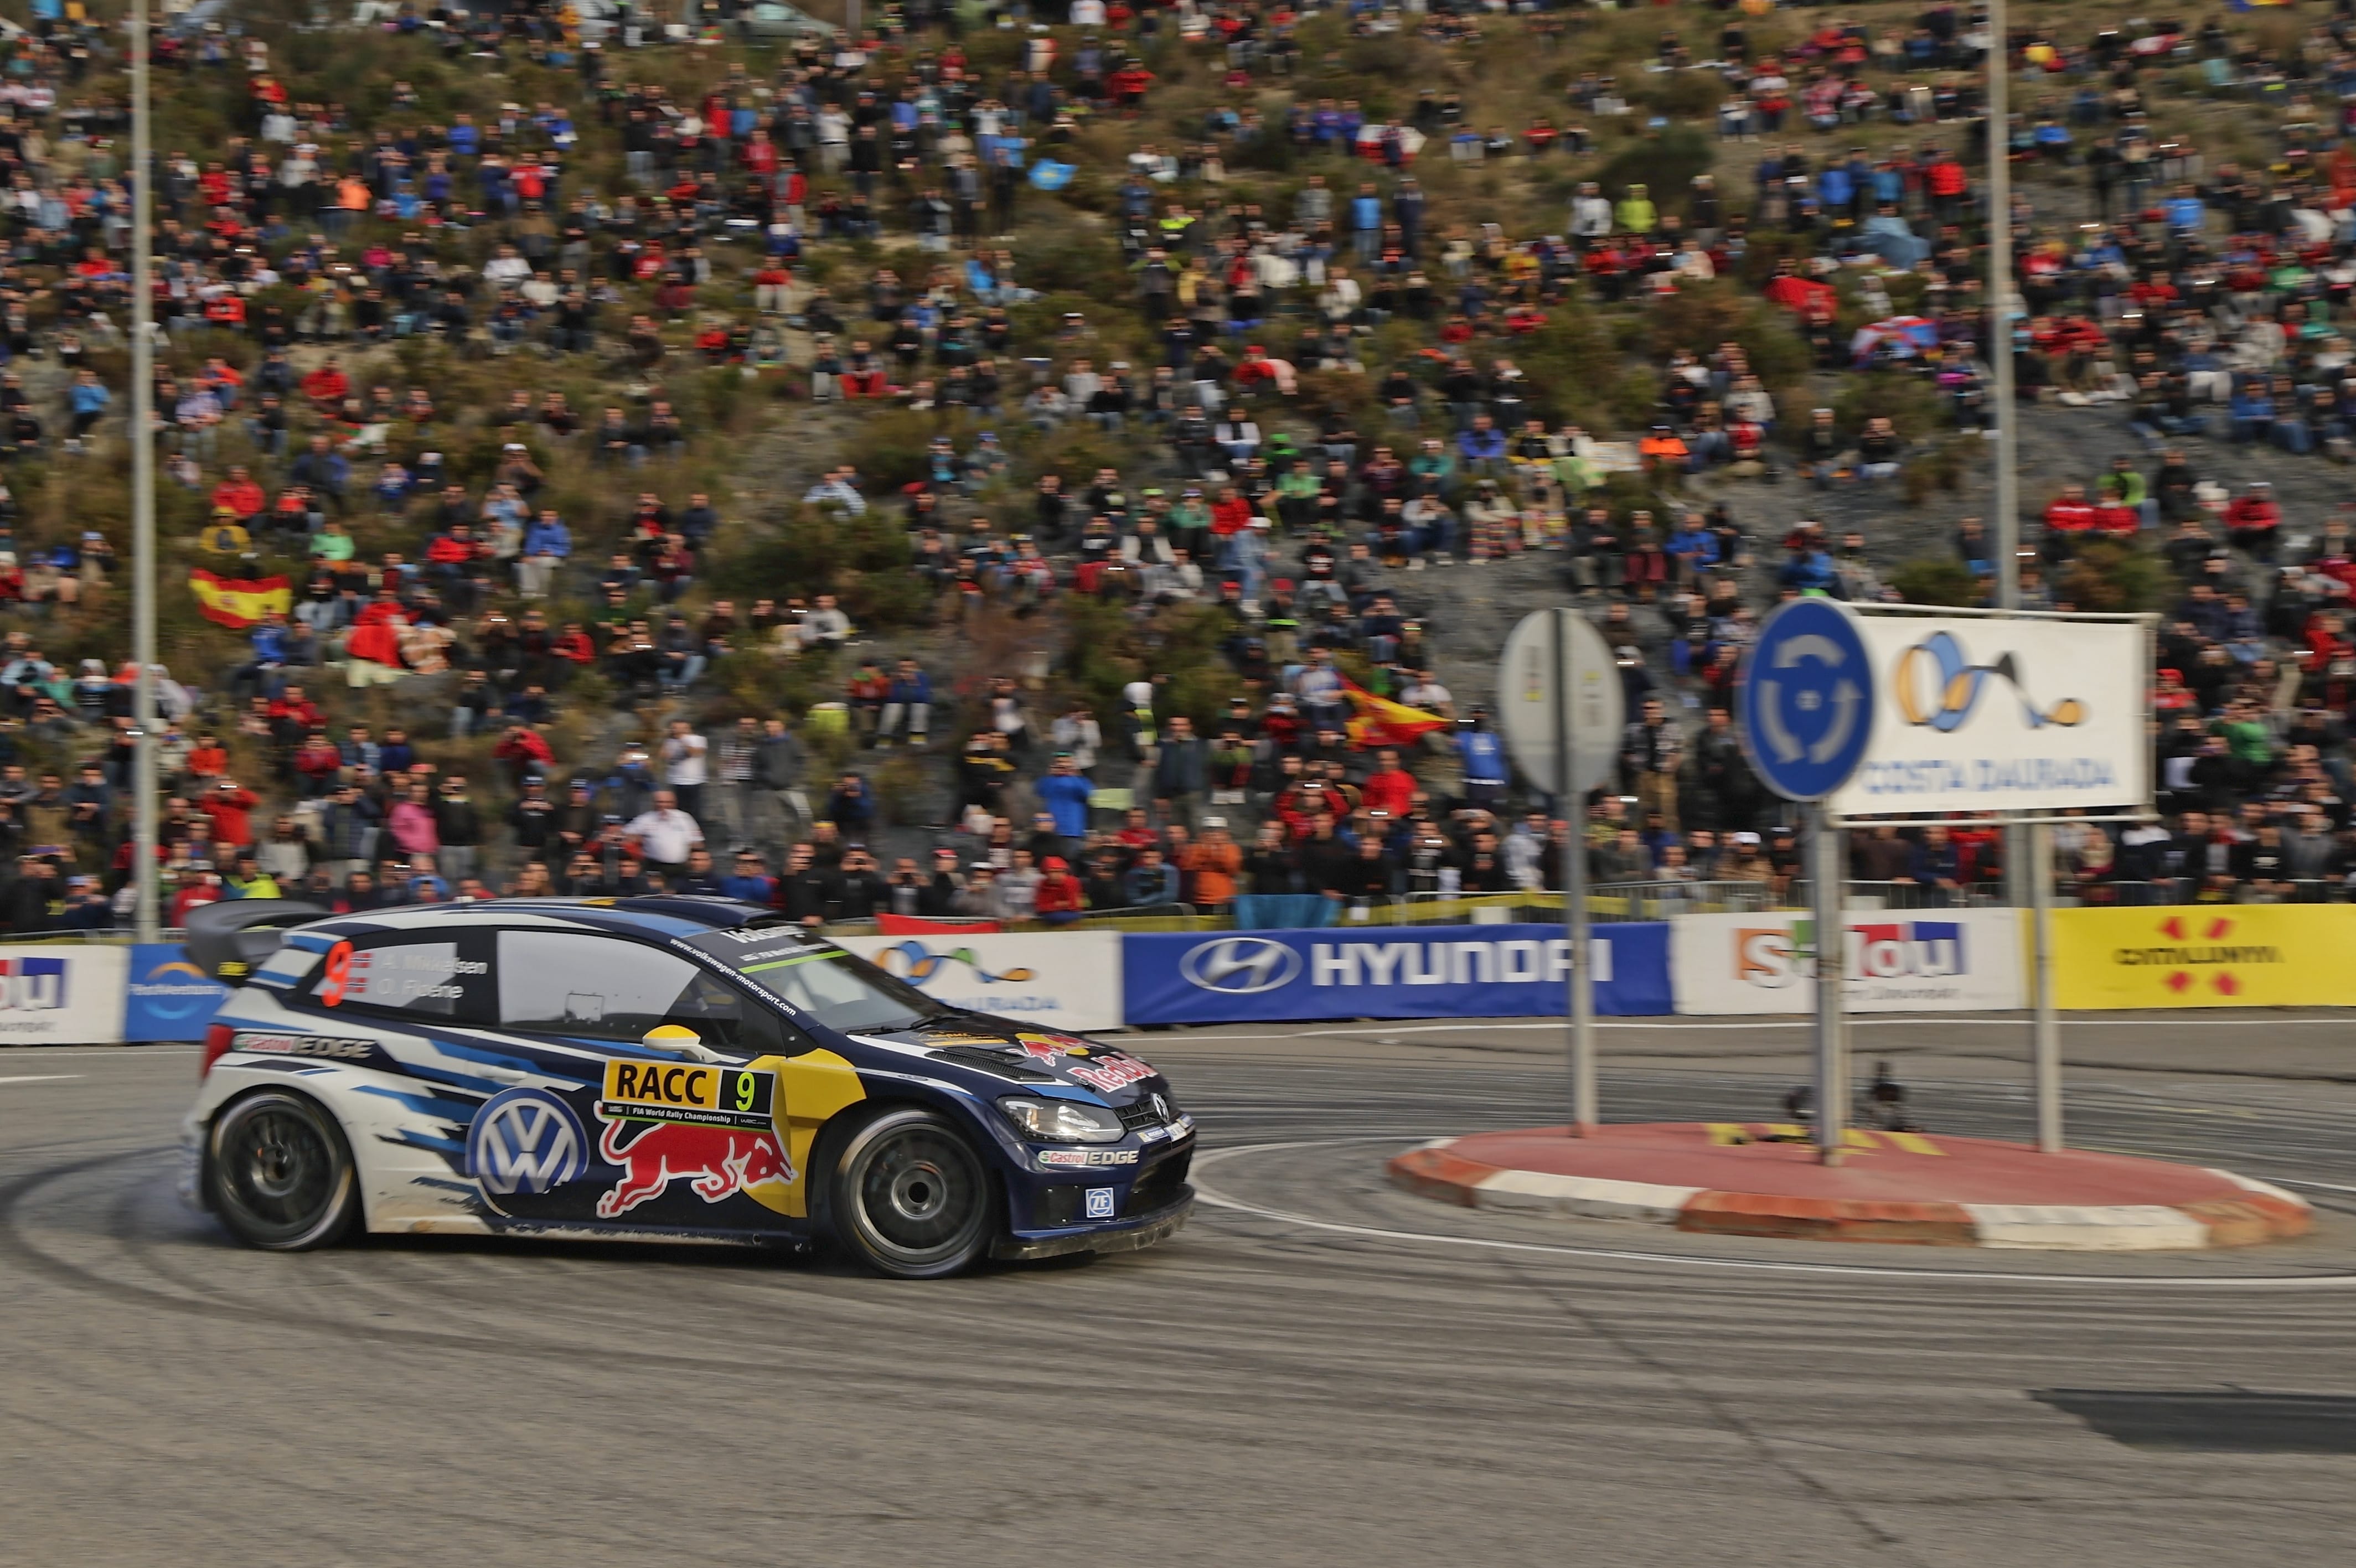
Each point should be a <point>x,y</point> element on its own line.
<point>1585,1112</point>
<point>1832,953</point>
<point>1999,349</point>
<point>1999,329</point>
<point>2048,1025</point>
<point>142,485</point>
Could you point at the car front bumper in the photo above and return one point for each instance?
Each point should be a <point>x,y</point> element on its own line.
<point>1119,1236</point>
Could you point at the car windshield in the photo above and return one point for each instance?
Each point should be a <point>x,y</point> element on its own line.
<point>844,992</point>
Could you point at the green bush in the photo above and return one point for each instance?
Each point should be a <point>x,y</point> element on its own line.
<point>863,560</point>
<point>2117,577</point>
<point>1664,163</point>
<point>1935,579</point>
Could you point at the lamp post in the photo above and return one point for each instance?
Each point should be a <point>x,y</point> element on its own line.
<point>142,484</point>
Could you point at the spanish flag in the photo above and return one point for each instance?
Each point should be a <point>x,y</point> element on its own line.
<point>1382,723</point>
<point>238,603</point>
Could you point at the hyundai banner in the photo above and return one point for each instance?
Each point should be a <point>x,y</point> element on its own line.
<point>1914,961</point>
<point>1404,972</point>
<point>63,993</point>
<point>168,997</point>
<point>1069,979</point>
<point>1982,714</point>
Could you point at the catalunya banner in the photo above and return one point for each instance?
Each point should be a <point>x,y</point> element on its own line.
<point>1066,979</point>
<point>1897,962</point>
<point>238,603</point>
<point>1403,972</point>
<point>2205,956</point>
<point>1973,714</point>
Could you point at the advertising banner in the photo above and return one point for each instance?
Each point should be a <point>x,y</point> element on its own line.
<point>63,993</point>
<point>1898,962</point>
<point>1975,714</point>
<point>2205,956</point>
<point>1404,972</point>
<point>168,997</point>
<point>1067,979</point>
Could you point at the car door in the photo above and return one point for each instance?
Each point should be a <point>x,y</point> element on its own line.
<point>401,1011</point>
<point>692,1138</point>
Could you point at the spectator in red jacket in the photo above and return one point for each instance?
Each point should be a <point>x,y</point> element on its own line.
<point>232,810</point>
<point>1389,787</point>
<point>1060,900</point>
<point>2252,521</point>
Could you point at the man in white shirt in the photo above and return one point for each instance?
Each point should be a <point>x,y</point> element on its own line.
<point>664,835</point>
<point>684,765</point>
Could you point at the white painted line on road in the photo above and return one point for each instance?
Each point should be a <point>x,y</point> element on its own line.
<point>50,1052</point>
<point>2319,1186</point>
<point>1909,1021</point>
<point>1215,1198</point>
<point>41,1078</point>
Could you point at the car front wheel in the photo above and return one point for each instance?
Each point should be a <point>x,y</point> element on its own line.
<point>280,1174</point>
<point>907,1196</point>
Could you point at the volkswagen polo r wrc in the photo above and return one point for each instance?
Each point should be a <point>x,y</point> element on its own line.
<point>657,1068</point>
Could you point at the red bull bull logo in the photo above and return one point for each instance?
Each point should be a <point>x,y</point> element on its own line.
<point>717,1161</point>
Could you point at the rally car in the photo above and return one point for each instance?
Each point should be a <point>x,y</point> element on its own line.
<point>658,1068</point>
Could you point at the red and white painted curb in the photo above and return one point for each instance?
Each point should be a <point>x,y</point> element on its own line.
<point>2261,1213</point>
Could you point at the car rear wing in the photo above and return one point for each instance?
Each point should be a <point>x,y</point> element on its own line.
<point>226,940</point>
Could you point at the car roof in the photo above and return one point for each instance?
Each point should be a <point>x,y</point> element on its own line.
<point>654,915</point>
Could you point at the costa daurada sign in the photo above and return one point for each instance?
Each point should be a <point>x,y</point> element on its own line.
<point>1983,714</point>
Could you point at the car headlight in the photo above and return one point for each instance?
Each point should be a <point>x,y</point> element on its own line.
<point>1062,1121</point>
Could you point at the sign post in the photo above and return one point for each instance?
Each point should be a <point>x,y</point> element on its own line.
<point>1807,698</point>
<point>1562,709</point>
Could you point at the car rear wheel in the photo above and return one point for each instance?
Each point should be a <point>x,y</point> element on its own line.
<point>280,1173</point>
<point>907,1196</point>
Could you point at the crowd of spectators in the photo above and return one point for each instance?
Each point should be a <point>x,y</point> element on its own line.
<point>646,235</point>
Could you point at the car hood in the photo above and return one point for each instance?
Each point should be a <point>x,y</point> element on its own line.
<point>1023,1054</point>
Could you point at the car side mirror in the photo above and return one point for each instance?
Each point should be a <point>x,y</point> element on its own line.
<point>678,1040</point>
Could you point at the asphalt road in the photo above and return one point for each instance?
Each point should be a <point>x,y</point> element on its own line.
<point>1318,1371</point>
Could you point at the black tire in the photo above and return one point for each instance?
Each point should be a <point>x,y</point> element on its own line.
<point>906,1195</point>
<point>280,1175</point>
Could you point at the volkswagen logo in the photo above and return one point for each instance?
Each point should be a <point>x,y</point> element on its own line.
<point>525,1141</point>
<point>1160,1107</point>
<point>1240,965</point>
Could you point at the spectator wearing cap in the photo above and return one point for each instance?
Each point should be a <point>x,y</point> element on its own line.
<point>1059,898</point>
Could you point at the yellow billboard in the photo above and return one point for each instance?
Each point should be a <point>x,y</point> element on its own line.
<point>2205,956</point>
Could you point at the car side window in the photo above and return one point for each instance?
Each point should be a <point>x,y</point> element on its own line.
<point>408,973</point>
<point>598,987</point>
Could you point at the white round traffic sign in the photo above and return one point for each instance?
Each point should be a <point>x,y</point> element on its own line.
<point>1557,669</point>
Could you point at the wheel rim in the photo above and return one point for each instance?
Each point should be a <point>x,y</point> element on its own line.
<point>920,1195</point>
<point>279,1169</point>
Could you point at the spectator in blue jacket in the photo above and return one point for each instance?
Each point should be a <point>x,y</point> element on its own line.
<point>908,699</point>
<point>547,542</point>
<point>1064,795</point>
<point>1151,880</point>
<point>1483,449</point>
<point>1694,548</point>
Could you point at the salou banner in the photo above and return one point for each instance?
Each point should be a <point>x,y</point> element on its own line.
<point>1986,714</point>
<point>1895,961</point>
<point>1052,979</point>
<point>1405,972</point>
<point>63,993</point>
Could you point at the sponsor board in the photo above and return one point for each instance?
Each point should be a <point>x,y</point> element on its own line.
<point>1404,972</point>
<point>63,995</point>
<point>167,998</point>
<point>1976,714</point>
<point>1919,960</point>
<point>2205,956</point>
<point>1056,980</point>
